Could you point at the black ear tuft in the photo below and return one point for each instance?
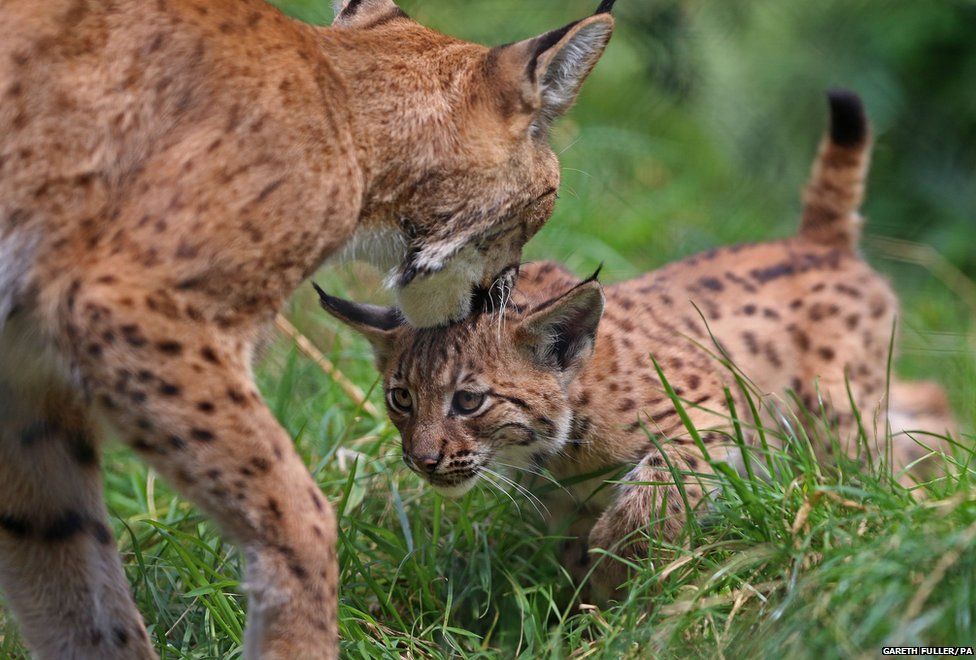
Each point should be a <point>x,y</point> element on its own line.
<point>350,8</point>
<point>605,7</point>
<point>358,314</point>
<point>595,277</point>
<point>365,14</point>
<point>848,123</point>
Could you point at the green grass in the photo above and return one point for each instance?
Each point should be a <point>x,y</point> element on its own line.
<point>427,577</point>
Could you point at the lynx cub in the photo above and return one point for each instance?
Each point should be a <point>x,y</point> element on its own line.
<point>565,379</point>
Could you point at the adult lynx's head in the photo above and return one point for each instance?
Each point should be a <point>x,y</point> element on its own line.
<point>462,173</point>
<point>487,394</point>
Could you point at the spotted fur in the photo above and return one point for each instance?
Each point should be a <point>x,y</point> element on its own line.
<point>170,171</point>
<point>578,393</point>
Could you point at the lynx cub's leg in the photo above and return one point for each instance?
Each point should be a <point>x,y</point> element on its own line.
<point>896,431</point>
<point>179,389</point>
<point>649,504</point>
<point>920,418</point>
<point>58,564</point>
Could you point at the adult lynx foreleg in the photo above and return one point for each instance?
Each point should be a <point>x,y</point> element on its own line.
<point>59,568</point>
<point>182,391</point>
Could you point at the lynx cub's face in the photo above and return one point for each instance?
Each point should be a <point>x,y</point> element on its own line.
<point>479,178</point>
<point>461,415</point>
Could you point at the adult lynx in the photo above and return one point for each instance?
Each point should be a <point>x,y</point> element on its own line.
<point>170,171</point>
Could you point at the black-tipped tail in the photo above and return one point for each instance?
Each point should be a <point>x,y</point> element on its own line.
<point>836,188</point>
<point>848,123</point>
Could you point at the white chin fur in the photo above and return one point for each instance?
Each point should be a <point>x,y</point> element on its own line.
<point>385,248</point>
<point>445,296</point>
<point>454,492</point>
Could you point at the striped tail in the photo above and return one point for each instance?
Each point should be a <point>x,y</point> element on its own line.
<point>836,189</point>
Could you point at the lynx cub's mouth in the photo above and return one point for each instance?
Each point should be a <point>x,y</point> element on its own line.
<point>453,490</point>
<point>453,481</point>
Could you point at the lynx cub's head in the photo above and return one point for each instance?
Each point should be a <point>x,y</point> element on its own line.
<point>484,395</point>
<point>465,172</point>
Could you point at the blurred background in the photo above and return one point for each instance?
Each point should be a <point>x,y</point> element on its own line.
<point>699,126</point>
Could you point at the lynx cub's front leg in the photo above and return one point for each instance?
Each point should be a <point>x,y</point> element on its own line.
<point>182,391</point>
<point>649,503</point>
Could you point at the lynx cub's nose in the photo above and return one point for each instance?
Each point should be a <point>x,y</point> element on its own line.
<point>426,463</point>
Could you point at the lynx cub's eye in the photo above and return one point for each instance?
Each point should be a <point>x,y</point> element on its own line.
<point>400,399</point>
<point>467,402</point>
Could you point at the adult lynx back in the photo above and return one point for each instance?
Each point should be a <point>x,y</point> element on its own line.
<point>170,171</point>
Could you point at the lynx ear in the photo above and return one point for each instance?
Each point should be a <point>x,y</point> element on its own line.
<point>365,13</point>
<point>561,333</point>
<point>549,70</point>
<point>377,324</point>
